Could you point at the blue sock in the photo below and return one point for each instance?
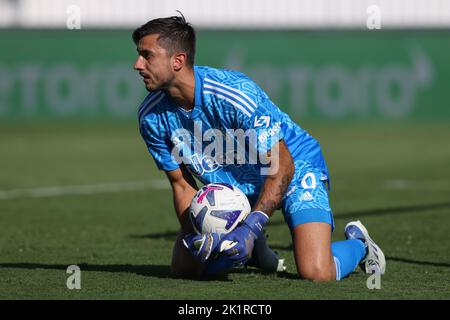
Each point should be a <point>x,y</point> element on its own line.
<point>347,255</point>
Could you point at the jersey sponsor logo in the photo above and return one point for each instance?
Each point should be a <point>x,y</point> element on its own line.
<point>262,121</point>
<point>270,133</point>
<point>204,164</point>
<point>207,151</point>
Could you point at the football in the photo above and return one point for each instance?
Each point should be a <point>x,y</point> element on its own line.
<point>218,208</point>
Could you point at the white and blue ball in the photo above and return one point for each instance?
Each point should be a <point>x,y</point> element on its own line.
<point>218,208</point>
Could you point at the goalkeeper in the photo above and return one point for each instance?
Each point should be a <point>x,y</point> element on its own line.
<point>184,100</point>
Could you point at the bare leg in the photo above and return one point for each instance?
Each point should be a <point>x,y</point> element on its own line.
<point>312,251</point>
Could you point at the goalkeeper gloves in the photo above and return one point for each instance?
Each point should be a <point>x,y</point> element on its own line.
<point>235,248</point>
<point>201,246</point>
<point>238,244</point>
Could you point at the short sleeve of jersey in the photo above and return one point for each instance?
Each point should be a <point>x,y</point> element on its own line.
<point>158,147</point>
<point>255,113</point>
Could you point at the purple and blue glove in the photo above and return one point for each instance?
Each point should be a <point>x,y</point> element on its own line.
<point>232,249</point>
<point>206,248</point>
<point>202,246</point>
<point>238,244</point>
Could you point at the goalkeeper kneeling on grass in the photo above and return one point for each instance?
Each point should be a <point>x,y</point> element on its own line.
<point>184,102</point>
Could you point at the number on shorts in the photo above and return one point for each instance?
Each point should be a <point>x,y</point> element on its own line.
<point>309,183</point>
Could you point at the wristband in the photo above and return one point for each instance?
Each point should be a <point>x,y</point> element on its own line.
<point>256,221</point>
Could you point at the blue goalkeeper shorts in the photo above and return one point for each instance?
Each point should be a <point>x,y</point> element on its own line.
<point>306,199</point>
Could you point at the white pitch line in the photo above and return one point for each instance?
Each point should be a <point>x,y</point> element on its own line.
<point>162,184</point>
<point>56,191</point>
<point>401,184</point>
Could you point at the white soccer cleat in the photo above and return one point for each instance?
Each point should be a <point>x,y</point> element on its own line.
<point>374,261</point>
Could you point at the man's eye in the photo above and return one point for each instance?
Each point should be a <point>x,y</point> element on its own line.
<point>145,54</point>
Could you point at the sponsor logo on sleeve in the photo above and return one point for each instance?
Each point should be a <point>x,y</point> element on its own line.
<point>262,121</point>
<point>270,132</point>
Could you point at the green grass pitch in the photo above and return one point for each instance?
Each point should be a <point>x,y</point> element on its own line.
<point>90,195</point>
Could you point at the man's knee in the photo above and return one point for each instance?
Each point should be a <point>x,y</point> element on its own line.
<point>312,251</point>
<point>317,271</point>
<point>183,264</point>
<point>186,271</point>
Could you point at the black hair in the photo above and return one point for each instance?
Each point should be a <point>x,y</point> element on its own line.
<point>175,35</point>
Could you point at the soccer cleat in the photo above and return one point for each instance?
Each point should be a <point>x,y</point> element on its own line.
<point>374,261</point>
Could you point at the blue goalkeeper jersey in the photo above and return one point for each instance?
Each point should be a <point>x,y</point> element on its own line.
<point>228,106</point>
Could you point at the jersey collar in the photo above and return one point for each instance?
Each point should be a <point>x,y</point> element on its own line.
<point>197,93</point>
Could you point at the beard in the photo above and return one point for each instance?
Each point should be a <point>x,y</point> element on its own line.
<point>151,85</point>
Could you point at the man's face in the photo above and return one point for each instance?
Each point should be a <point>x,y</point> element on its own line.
<point>154,63</point>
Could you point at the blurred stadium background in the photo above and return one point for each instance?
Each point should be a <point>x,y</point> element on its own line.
<point>369,79</point>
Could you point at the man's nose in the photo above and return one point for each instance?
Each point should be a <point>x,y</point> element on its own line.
<point>138,64</point>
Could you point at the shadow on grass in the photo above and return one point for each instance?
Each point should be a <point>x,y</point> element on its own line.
<point>161,271</point>
<point>391,210</point>
<point>253,270</point>
<point>158,271</point>
<point>419,262</point>
<point>144,270</point>
<point>166,235</point>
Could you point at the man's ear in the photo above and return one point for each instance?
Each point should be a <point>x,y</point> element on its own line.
<point>179,61</point>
